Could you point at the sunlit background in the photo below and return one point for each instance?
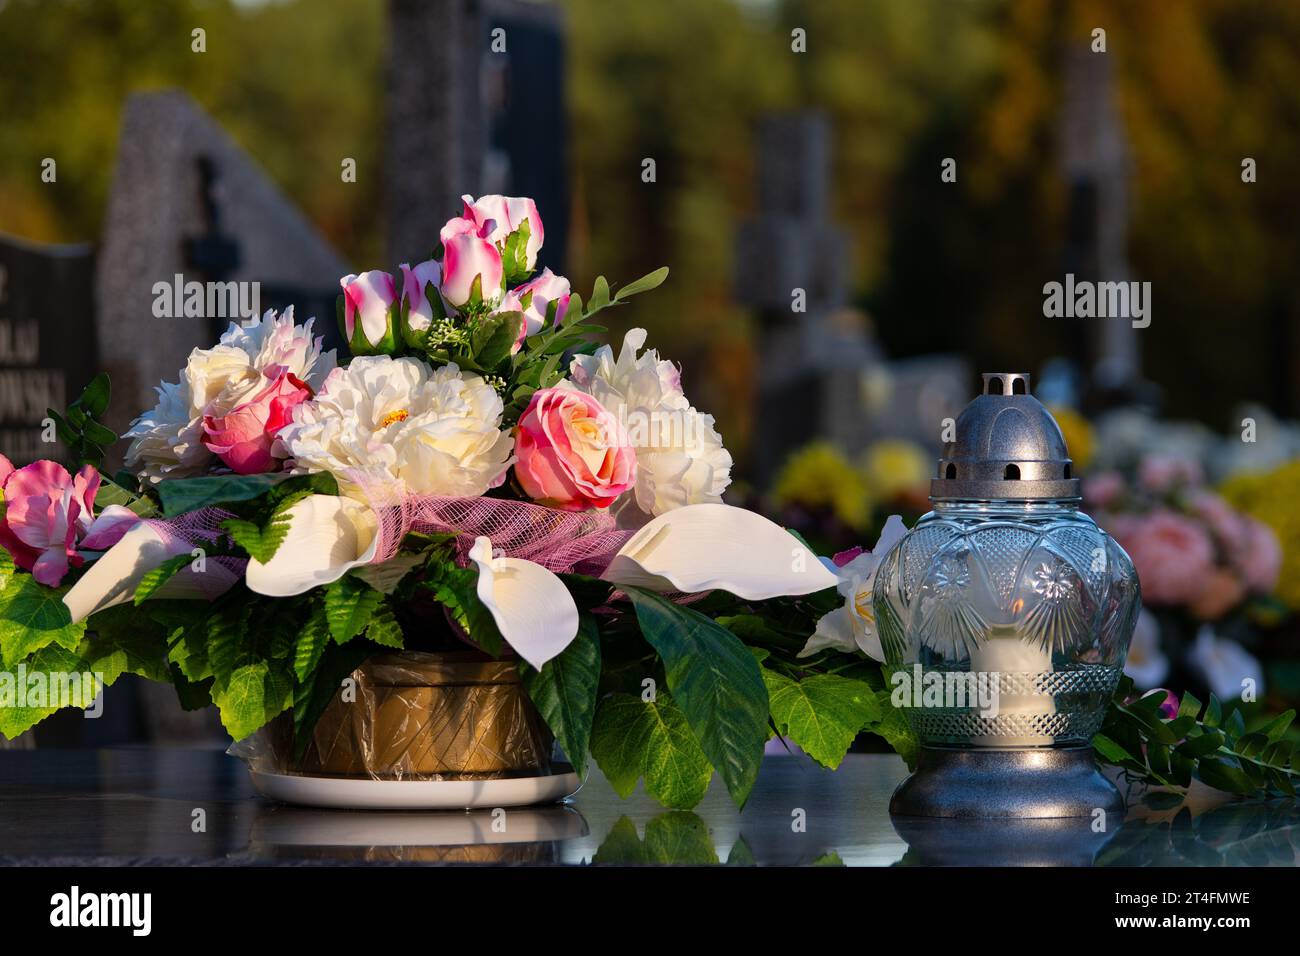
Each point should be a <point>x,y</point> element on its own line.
<point>807,140</point>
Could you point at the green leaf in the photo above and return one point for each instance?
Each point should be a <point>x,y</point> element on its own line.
<point>633,738</point>
<point>112,493</point>
<point>1201,745</point>
<point>97,433</point>
<point>33,616</point>
<point>495,336</point>
<point>349,605</point>
<point>383,628</point>
<point>181,495</point>
<point>895,729</point>
<point>717,683</point>
<point>1277,727</point>
<point>644,284</point>
<point>564,691</point>
<point>155,579</point>
<point>94,397</point>
<point>822,713</point>
<point>313,695</point>
<point>312,639</point>
<point>1223,775</point>
<point>254,694</point>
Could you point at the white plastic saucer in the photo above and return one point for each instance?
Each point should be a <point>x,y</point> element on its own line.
<point>347,793</point>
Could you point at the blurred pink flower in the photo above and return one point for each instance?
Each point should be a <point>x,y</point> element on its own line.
<point>1161,473</point>
<point>1261,558</point>
<point>1102,489</point>
<point>1173,555</point>
<point>1226,523</point>
<point>1222,590</point>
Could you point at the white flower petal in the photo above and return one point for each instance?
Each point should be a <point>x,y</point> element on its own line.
<point>890,535</point>
<point>328,536</point>
<point>834,630</point>
<point>113,578</point>
<point>533,609</point>
<point>706,546</point>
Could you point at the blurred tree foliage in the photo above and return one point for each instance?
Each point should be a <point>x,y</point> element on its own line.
<point>298,85</point>
<point>954,267</point>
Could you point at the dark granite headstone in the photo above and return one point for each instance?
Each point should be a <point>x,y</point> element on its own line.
<point>47,340</point>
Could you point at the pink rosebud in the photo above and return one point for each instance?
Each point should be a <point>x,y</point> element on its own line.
<point>1261,558</point>
<point>468,257</point>
<point>842,558</point>
<point>244,438</point>
<point>368,299</point>
<point>47,511</point>
<point>416,283</point>
<point>537,297</point>
<point>571,452</point>
<point>497,217</point>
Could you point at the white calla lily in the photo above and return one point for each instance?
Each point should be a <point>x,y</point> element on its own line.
<point>115,575</point>
<point>706,546</point>
<point>328,536</point>
<point>532,608</point>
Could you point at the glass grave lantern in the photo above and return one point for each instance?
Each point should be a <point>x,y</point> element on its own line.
<point>1005,616</point>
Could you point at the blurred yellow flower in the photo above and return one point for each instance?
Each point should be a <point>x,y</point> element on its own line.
<point>1273,497</point>
<point>1079,437</point>
<point>894,466</point>
<point>820,476</point>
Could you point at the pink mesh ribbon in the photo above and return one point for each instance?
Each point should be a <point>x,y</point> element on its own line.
<point>197,529</point>
<point>561,541</point>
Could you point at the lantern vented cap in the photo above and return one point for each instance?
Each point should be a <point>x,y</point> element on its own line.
<point>1006,445</point>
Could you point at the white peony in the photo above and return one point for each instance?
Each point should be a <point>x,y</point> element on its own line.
<point>167,439</point>
<point>397,423</point>
<point>680,459</point>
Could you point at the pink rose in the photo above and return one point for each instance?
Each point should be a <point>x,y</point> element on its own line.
<point>48,514</point>
<point>1221,591</point>
<point>244,438</point>
<point>497,217</point>
<point>571,452</point>
<point>1162,473</point>
<point>1261,559</point>
<point>469,257</point>
<point>1103,489</point>
<point>368,313</point>
<point>1173,555</point>
<point>419,290</point>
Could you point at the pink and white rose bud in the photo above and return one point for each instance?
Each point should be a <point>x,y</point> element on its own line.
<point>571,452</point>
<point>472,273</point>
<point>421,302</point>
<point>543,301</point>
<point>245,437</point>
<point>498,217</point>
<point>368,315</point>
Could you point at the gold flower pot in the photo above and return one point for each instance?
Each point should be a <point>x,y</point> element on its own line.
<point>414,715</point>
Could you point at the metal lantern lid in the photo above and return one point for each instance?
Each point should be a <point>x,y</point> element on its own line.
<point>1007,447</point>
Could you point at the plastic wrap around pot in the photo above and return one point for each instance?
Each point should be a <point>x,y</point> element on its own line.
<point>415,716</point>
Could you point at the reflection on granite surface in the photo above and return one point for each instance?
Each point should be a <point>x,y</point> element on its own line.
<point>196,806</point>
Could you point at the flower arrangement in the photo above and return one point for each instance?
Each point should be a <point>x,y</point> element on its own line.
<point>286,514</point>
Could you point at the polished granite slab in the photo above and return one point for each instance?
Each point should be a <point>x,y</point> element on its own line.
<point>151,805</point>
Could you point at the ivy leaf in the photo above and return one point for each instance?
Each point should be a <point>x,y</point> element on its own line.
<point>565,690</point>
<point>349,605</point>
<point>633,738</point>
<point>33,616</point>
<point>822,713</point>
<point>717,683</point>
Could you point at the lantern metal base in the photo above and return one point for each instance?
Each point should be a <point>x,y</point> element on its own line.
<point>1041,783</point>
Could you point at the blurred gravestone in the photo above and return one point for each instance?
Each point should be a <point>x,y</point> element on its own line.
<point>793,263</point>
<point>187,201</point>
<point>47,340</point>
<point>187,205</point>
<point>464,117</point>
